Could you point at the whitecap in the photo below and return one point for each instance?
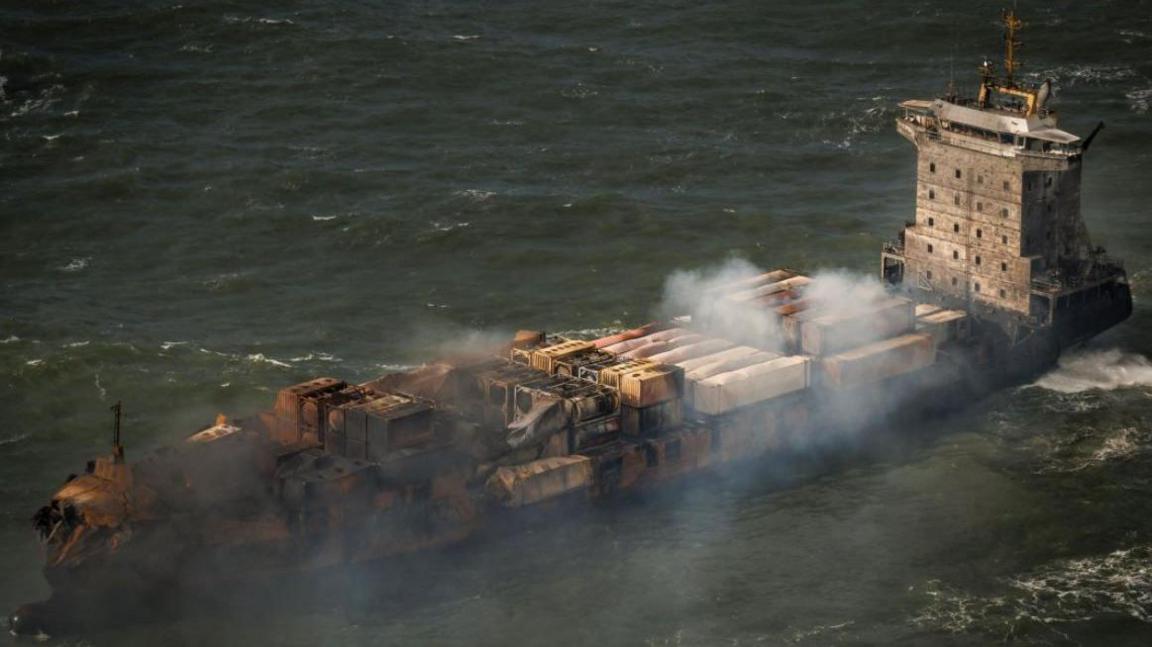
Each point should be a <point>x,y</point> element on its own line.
<point>9,339</point>
<point>1140,100</point>
<point>13,439</point>
<point>76,344</point>
<point>475,194</point>
<point>465,36</point>
<point>51,138</point>
<point>1105,370</point>
<point>76,264</point>
<point>324,218</point>
<point>449,226</point>
<point>168,345</point>
<point>262,358</point>
<point>316,357</point>
<point>34,362</point>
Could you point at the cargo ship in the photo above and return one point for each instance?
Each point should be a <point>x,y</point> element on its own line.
<point>990,281</point>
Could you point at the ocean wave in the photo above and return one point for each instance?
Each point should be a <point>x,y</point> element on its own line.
<point>239,20</point>
<point>449,226</point>
<point>261,358</point>
<point>76,264</point>
<point>10,339</point>
<point>12,439</point>
<point>465,37</point>
<point>1072,75</point>
<point>316,357</point>
<point>1097,370</point>
<point>1065,591</point>
<point>475,194</point>
<point>1140,100</point>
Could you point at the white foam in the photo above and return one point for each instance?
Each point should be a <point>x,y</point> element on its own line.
<point>1104,370</point>
<point>76,264</point>
<point>9,339</point>
<point>261,358</point>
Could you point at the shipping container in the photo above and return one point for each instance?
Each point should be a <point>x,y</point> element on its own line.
<point>658,347</point>
<point>731,353</point>
<point>653,420</point>
<point>944,325</point>
<point>652,384</point>
<point>570,366</point>
<point>756,294</point>
<point>925,309</point>
<point>610,376</point>
<point>539,480</point>
<point>593,433</point>
<point>879,360</point>
<point>625,335</point>
<point>690,351</point>
<point>857,326</point>
<point>728,365</point>
<point>752,282</point>
<point>752,384</point>
<point>544,359</point>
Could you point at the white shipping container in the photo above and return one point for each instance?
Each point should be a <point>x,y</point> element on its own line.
<point>655,347</point>
<point>838,332</point>
<point>943,325</point>
<point>731,353</point>
<point>729,365</point>
<point>756,383</point>
<point>689,351</point>
<point>772,288</point>
<point>632,344</point>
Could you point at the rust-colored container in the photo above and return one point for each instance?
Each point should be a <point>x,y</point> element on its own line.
<point>651,384</point>
<point>544,359</point>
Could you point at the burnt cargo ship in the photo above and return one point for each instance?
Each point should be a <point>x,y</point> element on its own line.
<point>994,277</point>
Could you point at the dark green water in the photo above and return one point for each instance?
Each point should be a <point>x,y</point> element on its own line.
<point>202,202</point>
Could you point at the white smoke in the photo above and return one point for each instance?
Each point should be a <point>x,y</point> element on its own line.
<point>702,295</point>
<point>1101,369</point>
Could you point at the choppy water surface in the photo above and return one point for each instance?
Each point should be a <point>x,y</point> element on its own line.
<point>205,201</point>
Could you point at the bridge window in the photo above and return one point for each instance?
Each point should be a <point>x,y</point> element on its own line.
<point>956,227</point>
<point>931,221</point>
<point>955,255</point>
<point>958,174</point>
<point>977,260</point>
<point>979,233</point>
<point>1003,266</point>
<point>929,248</point>
<point>932,167</point>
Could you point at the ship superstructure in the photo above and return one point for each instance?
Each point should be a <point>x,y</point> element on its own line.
<point>998,227</point>
<point>993,278</point>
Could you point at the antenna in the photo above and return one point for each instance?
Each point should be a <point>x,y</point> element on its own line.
<point>117,413</point>
<point>1011,24</point>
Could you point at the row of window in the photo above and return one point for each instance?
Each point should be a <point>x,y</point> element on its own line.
<point>977,259</point>
<point>975,285</point>
<point>979,205</point>
<point>980,178</point>
<point>956,229</point>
